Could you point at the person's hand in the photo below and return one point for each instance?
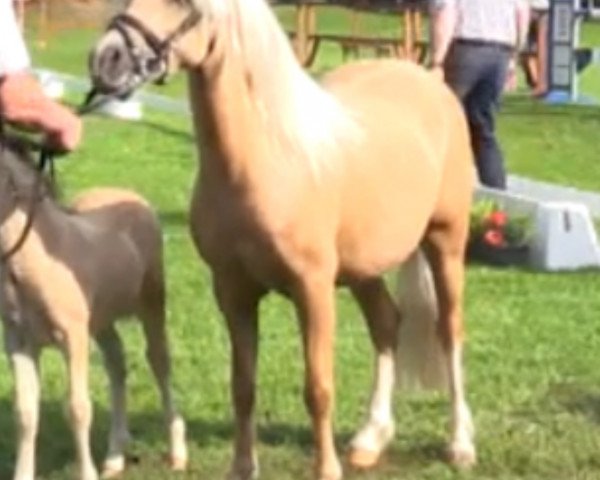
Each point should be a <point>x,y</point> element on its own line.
<point>510,84</point>
<point>23,103</point>
<point>67,135</point>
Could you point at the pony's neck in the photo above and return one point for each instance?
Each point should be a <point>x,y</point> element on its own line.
<point>228,127</point>
<point>254,103</point>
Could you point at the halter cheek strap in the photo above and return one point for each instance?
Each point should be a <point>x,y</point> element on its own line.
<point>145,68</point>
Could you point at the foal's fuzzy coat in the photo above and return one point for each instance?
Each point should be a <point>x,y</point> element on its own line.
<point>76,273</point>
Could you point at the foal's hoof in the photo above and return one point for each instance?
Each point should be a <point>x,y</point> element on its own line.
<point>362,459</point>
<point>113,467</point>
<point>178,464</point>
<point>108,473</point>
<point>243,475</point>
<point>462,455</point>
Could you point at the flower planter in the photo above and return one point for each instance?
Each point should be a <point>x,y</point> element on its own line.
<point>501,256</point>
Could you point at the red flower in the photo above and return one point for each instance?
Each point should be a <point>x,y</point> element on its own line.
<point>494,238</point>
<point>497,219</point>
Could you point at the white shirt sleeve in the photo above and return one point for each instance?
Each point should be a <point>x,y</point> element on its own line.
<point>437,4</point>
<point>13,52</point>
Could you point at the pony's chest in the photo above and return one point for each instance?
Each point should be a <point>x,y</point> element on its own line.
<point>266,250</point>
<point>20,312</point>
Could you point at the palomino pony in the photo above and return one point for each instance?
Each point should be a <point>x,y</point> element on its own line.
<point>72,275</point>
<point>303,187</point>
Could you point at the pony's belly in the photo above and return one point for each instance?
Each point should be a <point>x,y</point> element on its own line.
<point>372,259</point>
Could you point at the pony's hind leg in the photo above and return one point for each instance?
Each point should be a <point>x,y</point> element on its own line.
<point>444,250</point>
<point>382,318</point>
<point>76,349</point>
<point>238,302</point>
<point>152,315</point>
<point>114,360</point>
<point>23,357</point>
<point>315,303</point>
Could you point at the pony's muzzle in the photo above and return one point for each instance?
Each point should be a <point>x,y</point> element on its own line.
<point>112,68</point>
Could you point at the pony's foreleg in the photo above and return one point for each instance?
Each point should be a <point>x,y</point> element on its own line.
<point>239,306</point>
<point>382,319</point>
<point>447,264</point>
<point>114,361</point>
<point>23,357</point>
<point>80,407</point>
<point>314,299</point>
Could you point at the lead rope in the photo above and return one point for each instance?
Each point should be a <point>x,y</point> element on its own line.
<point>46,161</point>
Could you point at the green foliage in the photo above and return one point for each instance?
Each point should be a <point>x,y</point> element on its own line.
<point>488,215</point>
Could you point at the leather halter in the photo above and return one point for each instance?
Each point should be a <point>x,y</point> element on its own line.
<point>149,68</point>
<point>46,159</point>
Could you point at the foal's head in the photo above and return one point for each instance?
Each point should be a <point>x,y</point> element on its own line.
<point>19,177</point>
<point>150,39</point>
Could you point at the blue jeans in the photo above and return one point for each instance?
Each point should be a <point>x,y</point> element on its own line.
<point>476,73</point>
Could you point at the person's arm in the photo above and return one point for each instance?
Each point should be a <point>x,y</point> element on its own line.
<point>522,17</point>
<point>443,24</point>
<point>22,100</point>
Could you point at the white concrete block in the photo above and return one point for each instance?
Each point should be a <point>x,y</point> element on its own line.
<point>130,109</point>
<point>564,237</point>
<point>52,86</point>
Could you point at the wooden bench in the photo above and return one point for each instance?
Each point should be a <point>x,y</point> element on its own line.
<point>409,43</point>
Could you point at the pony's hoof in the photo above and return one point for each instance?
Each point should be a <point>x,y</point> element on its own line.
<point>369,443</point>
<point>330,476</point>
<point>113,467</point>
<point>247,472</point>
<point>362,459</point>
<point>108,473</point>
<point>462,455</point>
<point>178,464</point>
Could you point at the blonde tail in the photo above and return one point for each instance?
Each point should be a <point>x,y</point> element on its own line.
<point>420,359</point>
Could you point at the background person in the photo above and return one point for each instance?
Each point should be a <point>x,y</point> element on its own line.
<point>474,46</point>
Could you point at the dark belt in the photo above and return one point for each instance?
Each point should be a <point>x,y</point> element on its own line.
<point>469,42</point>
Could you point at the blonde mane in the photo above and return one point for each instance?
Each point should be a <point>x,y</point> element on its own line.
<point>307,120</point>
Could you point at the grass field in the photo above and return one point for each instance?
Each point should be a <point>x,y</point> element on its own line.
<point>531,359</point>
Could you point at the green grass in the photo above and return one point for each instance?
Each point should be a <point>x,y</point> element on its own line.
<point>531,359</point>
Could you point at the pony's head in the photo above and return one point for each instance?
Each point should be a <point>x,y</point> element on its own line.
<point>151,39</point>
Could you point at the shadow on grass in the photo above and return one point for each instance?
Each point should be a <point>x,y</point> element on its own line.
<point>164,129</point>
<point>174,218</point>
<point>578,399</point>
<point>56,453</point>
<point>55,449</point>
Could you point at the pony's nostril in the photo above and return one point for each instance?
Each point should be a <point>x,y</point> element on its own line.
<point>115,56</point>
<point>111,68</point>
<point>115,61</point>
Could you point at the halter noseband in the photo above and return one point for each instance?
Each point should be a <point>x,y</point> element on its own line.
<point>155,67</point>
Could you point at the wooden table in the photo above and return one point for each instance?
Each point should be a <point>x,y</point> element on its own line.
<point>409,43</point>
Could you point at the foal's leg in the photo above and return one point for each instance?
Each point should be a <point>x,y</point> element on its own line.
<point>80,406</point>
<point>23,357</point>
<point>316,309</point>
<point>445,254</point>
<point>157,353</point>
<point>238,302</point>
<point>114,361</point>
<point>383,320</point>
